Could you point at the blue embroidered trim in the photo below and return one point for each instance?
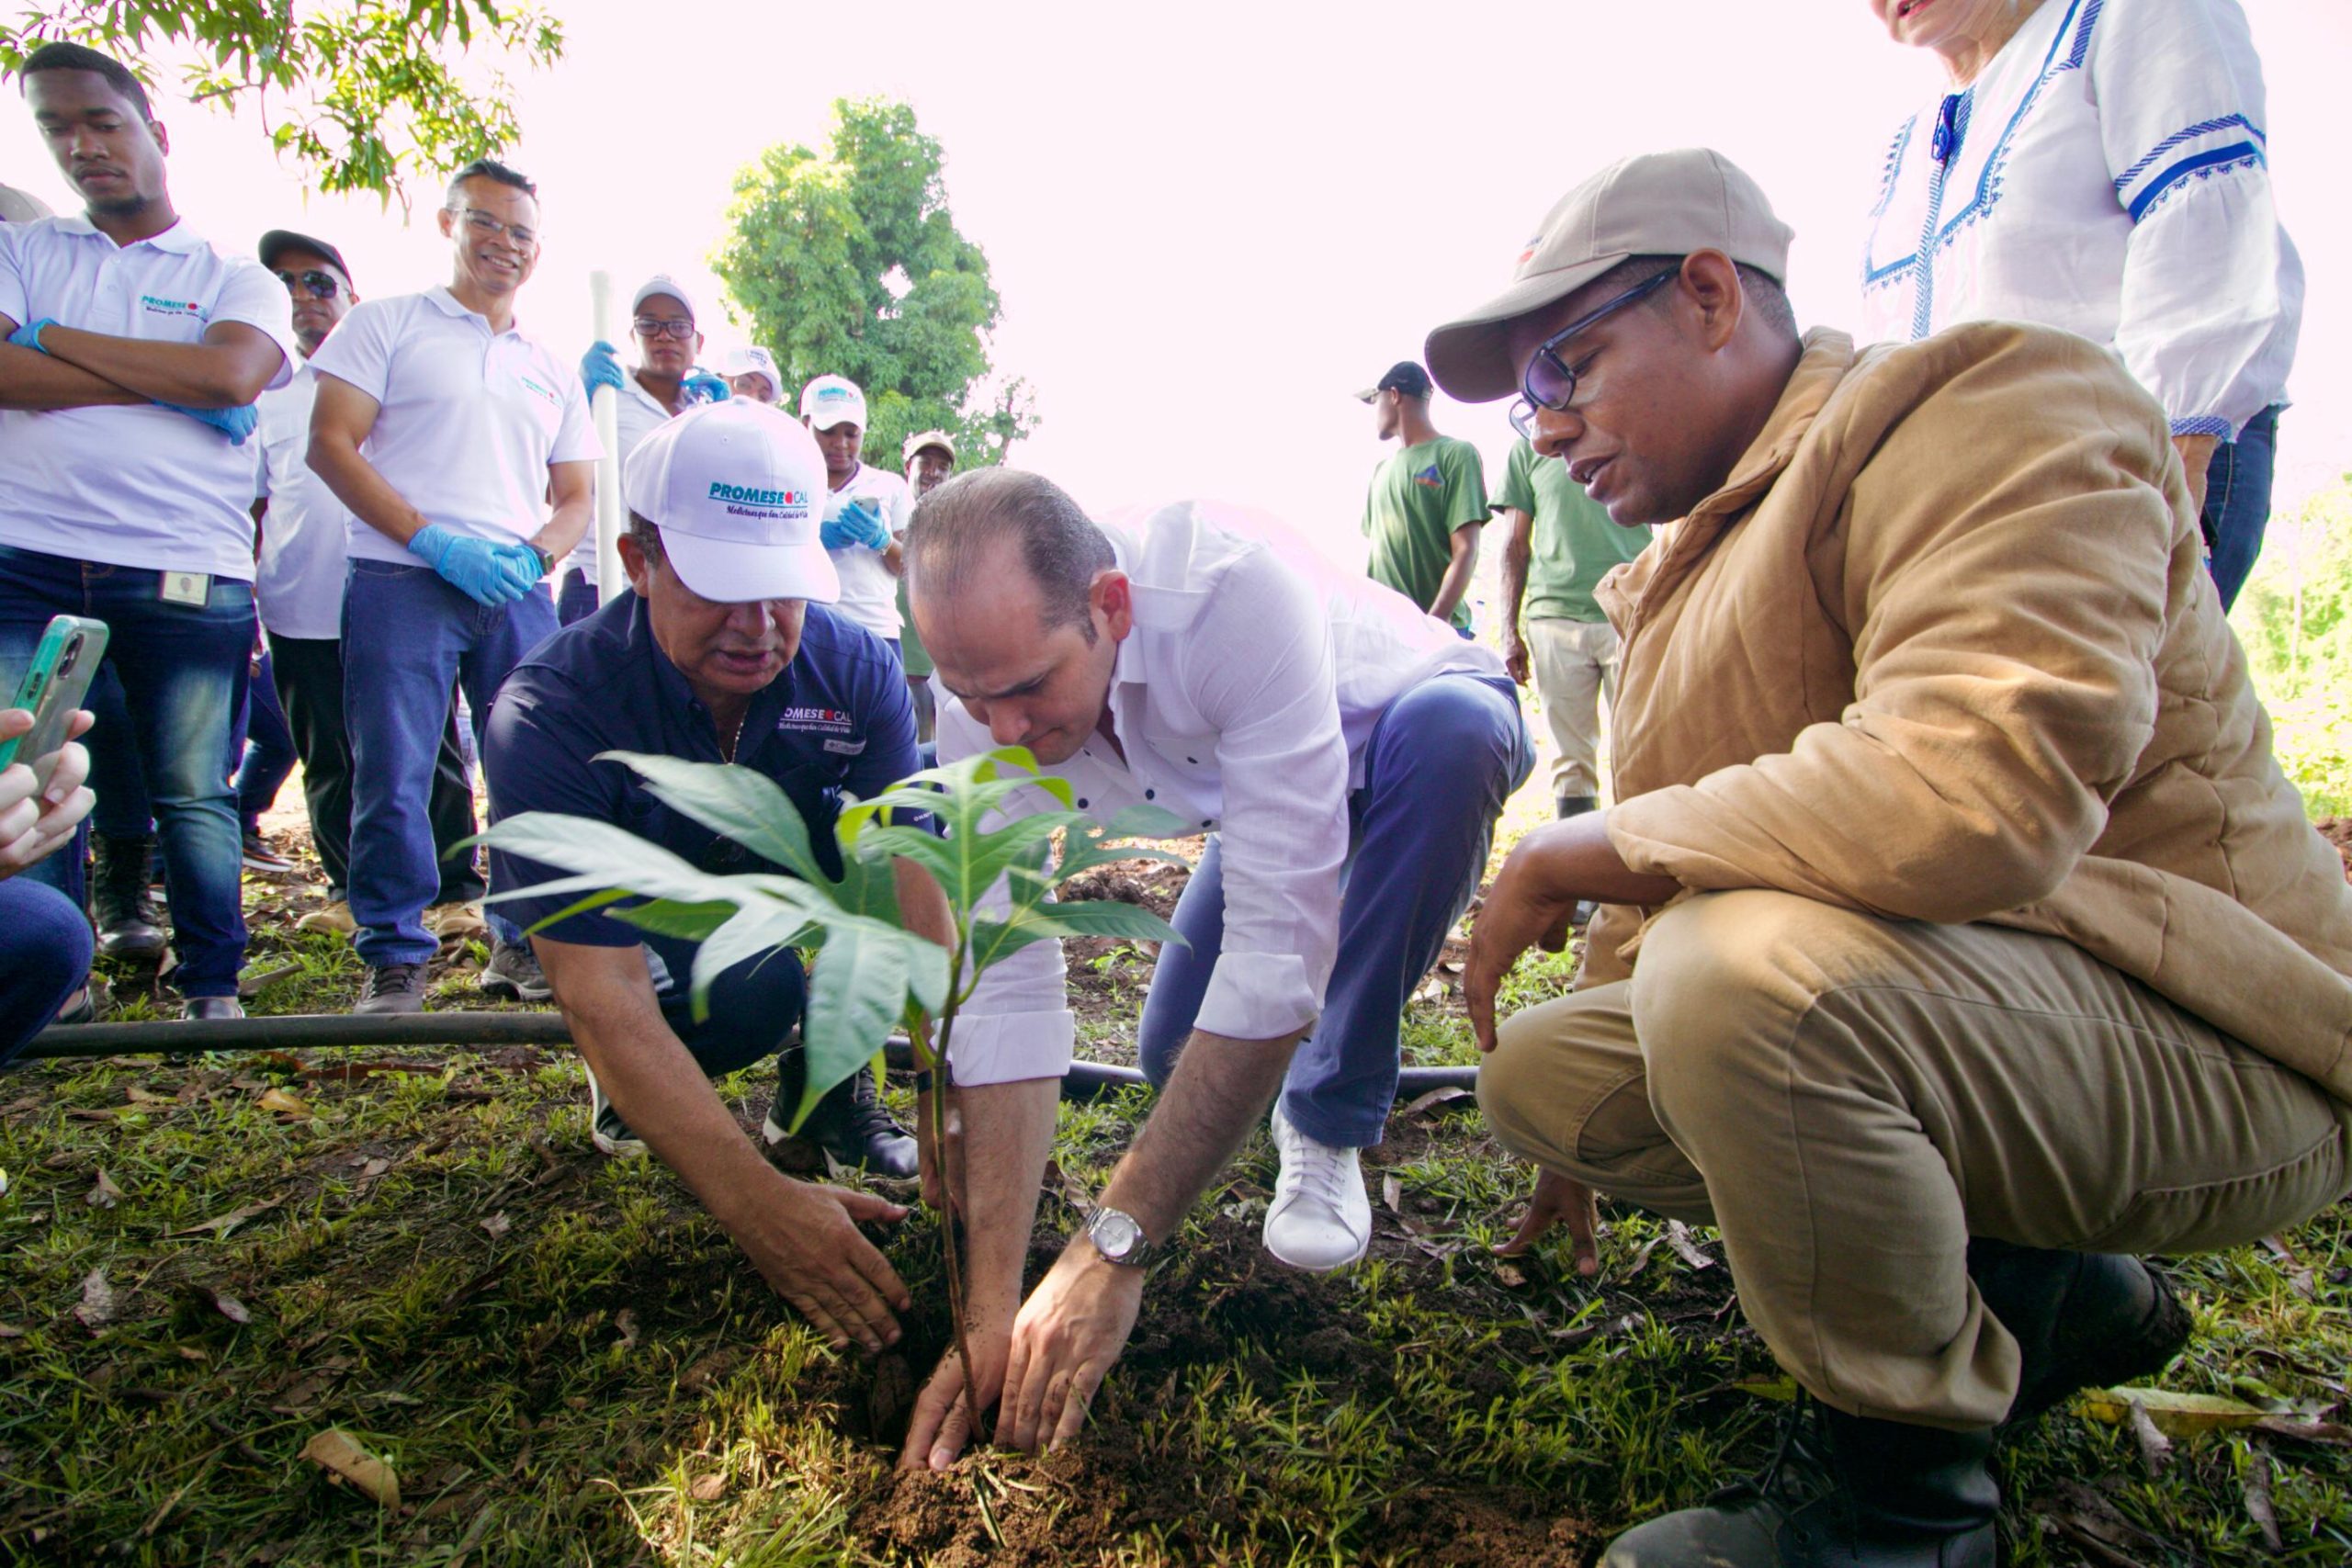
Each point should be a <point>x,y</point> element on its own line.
<point>1887,174</point>
<point>2238,154</point>
<point>1988,183</point>
<point>2202,127</point>
<point>2204,424</point>
<point>2081,52</point>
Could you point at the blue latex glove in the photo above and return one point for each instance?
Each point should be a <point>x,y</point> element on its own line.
<point>599,369</point>
<point>474,567</point>
<point>522,563</point>
<point>704,387</point>
<point>856,526</point>
<point>29,335</point>
<point>236,423</point>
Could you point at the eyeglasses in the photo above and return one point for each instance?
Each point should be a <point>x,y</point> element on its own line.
<point>321,285</point>
<point>1550,382</point>
<point>682,328</point>
<point>482,223</point>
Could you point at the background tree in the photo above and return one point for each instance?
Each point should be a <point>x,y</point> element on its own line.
<point>364,95</point>
<point>849,263</point>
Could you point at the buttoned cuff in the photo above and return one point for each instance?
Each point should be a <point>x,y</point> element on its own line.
<point>1258,996</point>
<point>1011,1046</point>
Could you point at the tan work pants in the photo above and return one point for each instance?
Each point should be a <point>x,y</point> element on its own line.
<point>1851,1098</point>
<point>1574,663</point>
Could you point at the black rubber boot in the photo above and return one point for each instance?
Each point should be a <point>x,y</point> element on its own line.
<point>122,906</point>
<point>1841,1493</point>
<point>1566,806</point>
<point>2082,1319</point>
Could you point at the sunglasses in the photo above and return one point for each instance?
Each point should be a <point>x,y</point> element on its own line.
<point>321,285</point>
<point>1550,381</point>
<point>681,329</point>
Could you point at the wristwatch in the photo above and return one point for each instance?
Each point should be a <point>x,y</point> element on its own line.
<point>1118,1238</point>
<point>547,562</point>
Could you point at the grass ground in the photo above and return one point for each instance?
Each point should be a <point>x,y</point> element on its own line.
<point>204,1265</point>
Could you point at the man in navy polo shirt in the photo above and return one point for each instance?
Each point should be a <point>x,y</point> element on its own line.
<point>721,653</point>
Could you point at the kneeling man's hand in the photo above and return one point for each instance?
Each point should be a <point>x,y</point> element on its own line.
<point>942,1426</point>
<point>807,1245</point>
<point>1065,1342</point>
<point>1559,1200</point>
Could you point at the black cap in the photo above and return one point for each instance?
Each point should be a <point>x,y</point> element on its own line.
<point>1406,377</point>
<point>281,240</point>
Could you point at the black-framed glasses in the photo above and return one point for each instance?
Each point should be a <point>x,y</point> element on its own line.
<point>490,227</point>
<point>650,327</point>
<point>321,285</point>
<point>1550,381</point>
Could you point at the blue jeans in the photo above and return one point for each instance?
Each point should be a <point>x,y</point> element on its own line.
<point>44,958</point>
<point>183,671</point>
<point>1440,762</point>
<point>121,811</point>
<point>265,760</point>
<point>407,638</point>
<point>577,600</point>
<point>2237,501</point>
<point>753,1006</point>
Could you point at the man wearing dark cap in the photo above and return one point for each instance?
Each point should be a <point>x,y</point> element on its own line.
<point>298,588</point>
<point>1961,940</point>
<point>1427,503</point>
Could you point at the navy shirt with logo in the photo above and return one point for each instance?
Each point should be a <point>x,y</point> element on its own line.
<point>838,721</point>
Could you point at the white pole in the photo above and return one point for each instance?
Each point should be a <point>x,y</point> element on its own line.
<point>606,409</point>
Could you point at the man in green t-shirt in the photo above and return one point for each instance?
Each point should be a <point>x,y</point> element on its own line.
<point>1427,501</point>
<point>1560,544</point>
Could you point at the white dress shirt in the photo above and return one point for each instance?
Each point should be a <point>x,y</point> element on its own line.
<point>1244,698</point>
<point>467,419</point>
<point>298,583</point>
<point>133,485</point>
<point>2107,173</point>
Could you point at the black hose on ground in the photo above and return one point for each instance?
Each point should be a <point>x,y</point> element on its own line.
<point>483,1031</point>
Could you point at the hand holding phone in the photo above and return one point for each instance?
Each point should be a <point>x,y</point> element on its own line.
<point>38,811</point>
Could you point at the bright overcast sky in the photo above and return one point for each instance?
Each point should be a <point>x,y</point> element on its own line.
<point>1211,223</point>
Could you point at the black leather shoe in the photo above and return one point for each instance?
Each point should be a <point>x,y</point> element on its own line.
<point>1841,1493</point>
<point>849,1127</point>
<point>2081,1319</point>
<point>1566,806</point>
<point>212,1007</point>
<point>122,904</point>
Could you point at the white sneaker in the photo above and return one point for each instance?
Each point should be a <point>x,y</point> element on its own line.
<point>605,1129</point>
<point>1321,1216</point>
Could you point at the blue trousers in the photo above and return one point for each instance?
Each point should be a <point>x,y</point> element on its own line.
<point>577,602</point>
<point>753,1006</point>
<point>407,638</point>
<point>183,670</point>
<point>2237,501</point>
<point>264,758</point>
<point>44,957</point>
<point>1442,760</point>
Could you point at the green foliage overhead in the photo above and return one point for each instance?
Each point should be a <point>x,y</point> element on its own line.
<point>848,263</point>
<point>2295,620</point>
<point>870,973</point>
<point>364,95</point>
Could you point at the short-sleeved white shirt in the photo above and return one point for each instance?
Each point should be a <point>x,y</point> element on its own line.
<point>136,485</point>
<point>298,583</point>
<point>637,414</point>
<point>467,419</point>
<point>869,592</point>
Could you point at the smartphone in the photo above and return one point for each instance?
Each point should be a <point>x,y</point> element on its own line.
<point>54,684</point>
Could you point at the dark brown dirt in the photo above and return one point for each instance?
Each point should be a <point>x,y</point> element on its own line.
<point>2337,830</point>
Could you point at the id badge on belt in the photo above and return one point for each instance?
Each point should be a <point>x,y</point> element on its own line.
<point>187,588</point>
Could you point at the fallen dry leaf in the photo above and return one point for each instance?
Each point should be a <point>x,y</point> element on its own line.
<point>1435,1097</point>
<point>97,1306</point>
<point>625,1324</point>
<point>1678,1236</point>
<point>1392,1193</point>
<point>10,1331</point>
<point>2173,1415</point>
<point>2256,1484</point>
<point>137,1096</point>
<point>1510,1276</point>
<point>706,1488</point>
<point>230,1307</point>
<point>339,1452</point>
<point>233,1219</point>
<point>103,1194</point>
<point>2156,1449</point>
<point>285,1105</point>
<point>374,1168</point>
<point>498,1225</point>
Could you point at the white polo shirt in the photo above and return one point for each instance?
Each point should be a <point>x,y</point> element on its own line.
<point>135,486</point>
<point>869,592</point>
<point>1244,699</point>
<point>298,583</point>
<point>467,419</point>
<point>636,415</point>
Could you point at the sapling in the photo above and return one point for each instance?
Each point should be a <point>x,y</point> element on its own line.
<point>868,972</point>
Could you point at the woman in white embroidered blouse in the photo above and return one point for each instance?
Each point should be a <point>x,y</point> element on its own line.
<point>2100,165</point>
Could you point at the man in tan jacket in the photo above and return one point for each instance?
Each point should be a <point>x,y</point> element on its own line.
<point>1962,939</point>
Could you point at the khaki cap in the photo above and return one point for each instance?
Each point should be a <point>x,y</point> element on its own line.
<point>1654,204</point>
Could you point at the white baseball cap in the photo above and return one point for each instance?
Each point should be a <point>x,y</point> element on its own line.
<point>830,400</point>
<point>737,490</point>
<point>754,361</point>
<point>663,283</point>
